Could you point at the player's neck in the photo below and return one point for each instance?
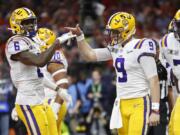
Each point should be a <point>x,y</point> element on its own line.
<point>125,42</point>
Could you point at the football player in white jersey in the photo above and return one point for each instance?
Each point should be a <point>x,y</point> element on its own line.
<point>170,49</point>
<point>135,66</point>
<point>55,72</point>
<point>25,59</point>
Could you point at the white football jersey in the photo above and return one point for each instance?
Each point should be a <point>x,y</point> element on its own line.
<point>27,79</point>
<point>58,57</point>
<point>131,79</point>
<point>170,49</point>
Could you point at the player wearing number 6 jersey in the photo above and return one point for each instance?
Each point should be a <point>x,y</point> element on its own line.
<point>23,56</point>
<point>170,49</point>
<point>133,60</point>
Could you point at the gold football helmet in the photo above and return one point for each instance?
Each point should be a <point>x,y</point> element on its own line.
<point>176,25</point>
<point>46,37</point>
<point>121,26</point>
<point>23,21</point>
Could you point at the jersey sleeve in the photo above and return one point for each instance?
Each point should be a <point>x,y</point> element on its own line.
<point>59,57</point>
<point>149,71</point>
<point>147,47</point>
<point>56,57</point>
<point>16,46</point>
<point>103,54</point>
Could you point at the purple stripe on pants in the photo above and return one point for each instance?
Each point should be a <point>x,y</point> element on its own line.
<point>24,112</point>
<point>145,113</point>
<point>34,120</point>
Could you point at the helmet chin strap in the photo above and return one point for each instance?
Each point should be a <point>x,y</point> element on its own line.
<point>29,33</point>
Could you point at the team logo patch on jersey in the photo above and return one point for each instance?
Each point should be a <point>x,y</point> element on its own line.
<point>173,52</point>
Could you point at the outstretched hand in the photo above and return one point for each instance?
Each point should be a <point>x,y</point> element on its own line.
<point>65,37</point>
<point>75,30</point>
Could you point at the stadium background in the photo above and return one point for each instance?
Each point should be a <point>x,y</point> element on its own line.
<point>152,19</point>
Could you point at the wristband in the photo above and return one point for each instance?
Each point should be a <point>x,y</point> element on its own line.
<point>155,106</point>
<point>80,38</point>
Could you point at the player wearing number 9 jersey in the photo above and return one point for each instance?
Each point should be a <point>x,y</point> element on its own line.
<point>170,49</point>
<point>22,55</point>
<point>136,71</point>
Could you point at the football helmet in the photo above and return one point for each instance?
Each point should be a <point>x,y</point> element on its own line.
<point>23,21</point>
<point>120,26</point>
<point>46,37</point>
<point>176,25</point>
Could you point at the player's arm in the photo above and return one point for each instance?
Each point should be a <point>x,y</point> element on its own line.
<point>151,74</point>
<point>59,74</point>
<point>88,53</point>
<point>40,60</point>
<point>21,53</point>
<point>148,64</point>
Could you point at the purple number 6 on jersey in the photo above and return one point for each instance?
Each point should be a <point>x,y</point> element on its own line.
<point>119,64</point>
<point>16,46</point>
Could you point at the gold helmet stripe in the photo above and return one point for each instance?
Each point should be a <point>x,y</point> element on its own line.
<point>29,12</point>
<point>110,19</point>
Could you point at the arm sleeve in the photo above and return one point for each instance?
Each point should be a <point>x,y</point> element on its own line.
<point>59,58</point>
<point>147,48</point>
<point>48,83</point>
<point>103,54</point>
<point>15,46</point>
<point>149,66</point>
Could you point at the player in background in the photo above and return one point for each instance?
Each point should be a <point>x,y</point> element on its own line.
<point>170,50</point>
<point>25,59</point>
<point>166,94</point>
<point>56,72</point>
<point>133,60</point>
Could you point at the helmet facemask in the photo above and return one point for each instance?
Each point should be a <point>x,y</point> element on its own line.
<point>29,26</point>
<point>115,36</point>
<point>176,29</point>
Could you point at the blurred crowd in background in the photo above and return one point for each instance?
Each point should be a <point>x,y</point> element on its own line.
<point>91,85</point>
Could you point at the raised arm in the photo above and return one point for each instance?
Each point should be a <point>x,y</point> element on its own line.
<point>40,60</point>
<point>88,53</point>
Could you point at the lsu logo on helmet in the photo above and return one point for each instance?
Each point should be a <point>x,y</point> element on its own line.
<point>46,37</point>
